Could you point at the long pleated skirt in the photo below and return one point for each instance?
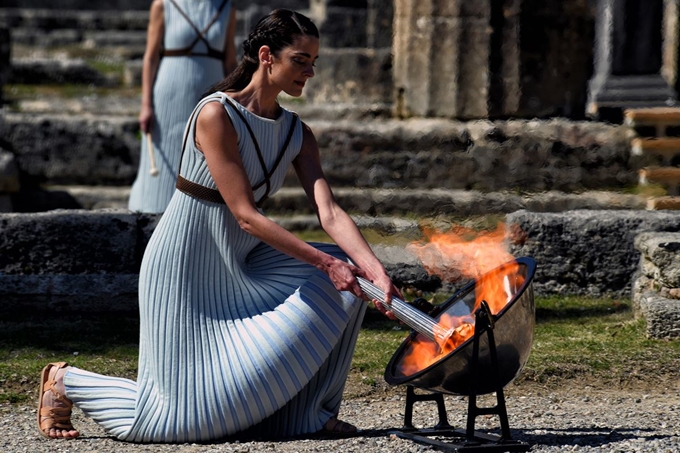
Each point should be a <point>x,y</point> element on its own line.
<point>233,335</point>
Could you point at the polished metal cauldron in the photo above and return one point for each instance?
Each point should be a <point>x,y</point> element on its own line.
<point>513,331</point>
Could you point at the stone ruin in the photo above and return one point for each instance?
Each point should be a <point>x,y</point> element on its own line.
<point>656,290</point>
<point>426,107</point>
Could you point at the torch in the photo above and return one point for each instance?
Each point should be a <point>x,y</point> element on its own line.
<point>409,315</point>
<point>149,145</point>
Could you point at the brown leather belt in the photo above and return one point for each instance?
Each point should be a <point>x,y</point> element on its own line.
<point>199,191</point>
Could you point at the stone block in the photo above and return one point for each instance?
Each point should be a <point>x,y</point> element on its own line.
<point>9,173</point>
<point>586,252</point>
<point>70,242</point>
<point>351,76</point>
<point>661,257</point>
<point>62,149</point>
<point>662,315</point>
<point>96,293</point>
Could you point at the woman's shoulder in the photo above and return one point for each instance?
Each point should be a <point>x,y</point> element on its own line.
<point>212,116</point>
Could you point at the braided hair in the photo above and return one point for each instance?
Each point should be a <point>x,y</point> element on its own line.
<point>277,30</point>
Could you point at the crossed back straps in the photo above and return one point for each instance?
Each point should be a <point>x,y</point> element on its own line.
<point>200,36</point>
<point>213,195</point>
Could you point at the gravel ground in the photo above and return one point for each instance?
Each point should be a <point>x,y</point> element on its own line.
<point>567,420</point>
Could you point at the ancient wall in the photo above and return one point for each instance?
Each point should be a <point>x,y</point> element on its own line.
<point>417,153</point>
<point>89,260</point>
<point>456,59</point>
<point>586,252</point>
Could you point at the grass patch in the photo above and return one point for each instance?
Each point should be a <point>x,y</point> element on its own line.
<point>577,341</point>
<point>600,341</point>
<point>104,344</point>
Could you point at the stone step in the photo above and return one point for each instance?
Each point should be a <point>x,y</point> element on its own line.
<point>344,76</point>
<point>383,153</point>
<point>666,176</point>
<point>664,203</point>
<point>87,19</point>
<point>88,39</point>
<point>292,201</point>
<point>46,71</point>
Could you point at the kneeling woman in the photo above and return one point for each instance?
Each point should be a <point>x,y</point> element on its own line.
<point>243,325</point>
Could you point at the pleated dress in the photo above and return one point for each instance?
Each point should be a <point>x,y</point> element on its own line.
<point>234,334</point>
<point>180,83</point>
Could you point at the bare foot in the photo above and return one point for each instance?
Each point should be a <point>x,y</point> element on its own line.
<point>55,411</point>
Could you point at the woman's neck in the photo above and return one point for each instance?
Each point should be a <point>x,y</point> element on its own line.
<point>259,99</point>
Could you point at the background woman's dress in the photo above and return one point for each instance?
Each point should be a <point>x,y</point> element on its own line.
<point>234,334</point>
<point>180,82</point>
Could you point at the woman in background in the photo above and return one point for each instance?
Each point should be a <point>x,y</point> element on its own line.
<point>190,46</point>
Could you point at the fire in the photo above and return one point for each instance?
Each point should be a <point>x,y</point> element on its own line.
<point>462,253</point>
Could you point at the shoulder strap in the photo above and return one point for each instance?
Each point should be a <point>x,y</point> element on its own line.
<point>200,34</point>
<point>267,173</point>
<point>213,195</point>
<point>268,176</point>
<point>252,137</point>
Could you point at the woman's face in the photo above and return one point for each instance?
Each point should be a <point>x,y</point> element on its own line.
<point>295,64</point>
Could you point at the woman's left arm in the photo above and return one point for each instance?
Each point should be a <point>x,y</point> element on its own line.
<point>334,220</point>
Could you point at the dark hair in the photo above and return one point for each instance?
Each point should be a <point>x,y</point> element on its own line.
<point>277,30</point>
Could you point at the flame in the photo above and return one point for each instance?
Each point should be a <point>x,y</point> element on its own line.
<point>454,255</point>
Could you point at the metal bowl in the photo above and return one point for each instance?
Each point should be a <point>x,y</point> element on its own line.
<point>513,331</point>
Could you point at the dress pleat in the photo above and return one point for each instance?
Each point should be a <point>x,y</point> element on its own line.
<point>234,335</point>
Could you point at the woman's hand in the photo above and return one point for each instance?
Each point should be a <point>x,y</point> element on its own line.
<point>384,282</point>
<point>344,277</point>
<point>146,119</point>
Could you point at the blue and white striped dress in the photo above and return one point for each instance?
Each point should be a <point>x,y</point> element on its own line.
<point>180,82</point>
<point>234,334</point>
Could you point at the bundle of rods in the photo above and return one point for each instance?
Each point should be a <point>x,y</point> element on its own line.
<point>409,315</point>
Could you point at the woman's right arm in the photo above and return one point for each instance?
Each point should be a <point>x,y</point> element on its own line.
<point>150,63</point>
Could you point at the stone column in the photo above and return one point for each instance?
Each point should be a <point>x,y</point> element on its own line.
<point>441,58</point>
<point>671,43</point>
<point>629,54</point>
<point>342,23</point>
<point>379,20</point>
<point>504,59</point>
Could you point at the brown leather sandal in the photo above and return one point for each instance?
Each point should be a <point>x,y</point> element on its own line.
<point>336,427</point>
<point>53,417</point>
